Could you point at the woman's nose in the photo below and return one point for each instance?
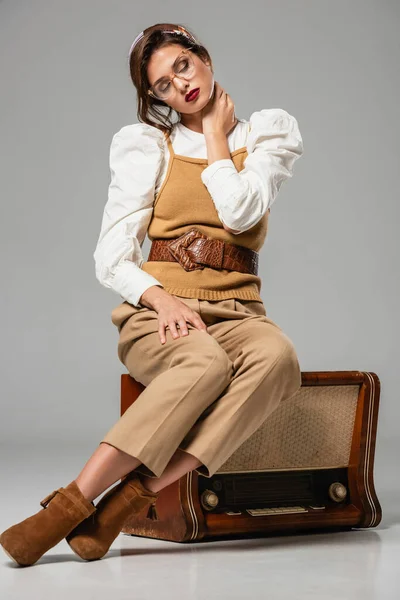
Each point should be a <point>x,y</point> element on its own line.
<point>180,84</point>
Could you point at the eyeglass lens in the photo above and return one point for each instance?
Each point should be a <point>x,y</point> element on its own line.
<point>183,67</point>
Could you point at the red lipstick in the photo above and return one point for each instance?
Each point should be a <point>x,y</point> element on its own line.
<point>192,94</point>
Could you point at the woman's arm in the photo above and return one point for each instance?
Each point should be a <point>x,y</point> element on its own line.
<point>242,198</point>
<point>136,153</point>
<point>218,149</point>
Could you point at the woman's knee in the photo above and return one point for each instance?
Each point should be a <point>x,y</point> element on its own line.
<point>288,368</point>
<point>282,357</point>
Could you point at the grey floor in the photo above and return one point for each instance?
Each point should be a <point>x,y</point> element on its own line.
<point>359,564</point>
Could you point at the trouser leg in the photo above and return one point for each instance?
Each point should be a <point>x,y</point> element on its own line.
<point>266,371</point>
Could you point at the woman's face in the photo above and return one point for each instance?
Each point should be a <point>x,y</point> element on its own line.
<point>160,65</point>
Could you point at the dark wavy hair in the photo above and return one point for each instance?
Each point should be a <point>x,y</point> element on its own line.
<point>149,109</point>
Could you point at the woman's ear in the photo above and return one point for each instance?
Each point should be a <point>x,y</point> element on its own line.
<point>209,64</point>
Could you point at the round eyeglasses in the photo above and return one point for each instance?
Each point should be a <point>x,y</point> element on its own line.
<point>183,67</point>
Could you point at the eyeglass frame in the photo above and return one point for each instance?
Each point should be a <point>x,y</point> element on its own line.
<point>184,51</point>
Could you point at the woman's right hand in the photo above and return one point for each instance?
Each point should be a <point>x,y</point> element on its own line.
<point>219,113</point>
<point>172,313</point>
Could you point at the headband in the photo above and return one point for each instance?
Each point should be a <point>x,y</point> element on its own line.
<point>179,31</point>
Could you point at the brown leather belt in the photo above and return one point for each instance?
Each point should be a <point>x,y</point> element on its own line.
<point>195,250</point>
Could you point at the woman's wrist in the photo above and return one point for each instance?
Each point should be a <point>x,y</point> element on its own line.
<point>152,297</point>
<point>217,146</point>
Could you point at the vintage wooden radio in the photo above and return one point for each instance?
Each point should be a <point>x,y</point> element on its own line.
<point>308,467</point>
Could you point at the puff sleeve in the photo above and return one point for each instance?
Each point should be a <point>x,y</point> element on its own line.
<point>242,198</point>
<point>135,159</point>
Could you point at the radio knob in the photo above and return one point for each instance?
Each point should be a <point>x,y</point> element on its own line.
<point>337,491</point>
<point>209,499</point>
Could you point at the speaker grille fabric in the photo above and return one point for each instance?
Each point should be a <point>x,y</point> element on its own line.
<point>311,430</point>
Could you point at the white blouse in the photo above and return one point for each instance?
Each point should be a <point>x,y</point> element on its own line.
<point>138,164</point>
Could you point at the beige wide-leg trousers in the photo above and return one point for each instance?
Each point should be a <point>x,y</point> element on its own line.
<point>206,393</point>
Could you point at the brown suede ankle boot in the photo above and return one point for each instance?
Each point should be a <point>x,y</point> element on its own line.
<point>92,539</point>
<point>62,511</point>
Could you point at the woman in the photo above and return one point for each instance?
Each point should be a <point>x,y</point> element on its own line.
<point>192,325</point>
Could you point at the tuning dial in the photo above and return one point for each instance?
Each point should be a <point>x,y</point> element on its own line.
<point>337,491</point>
<point>209,499</point>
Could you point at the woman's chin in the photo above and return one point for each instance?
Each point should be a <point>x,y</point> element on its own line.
<point>197,107</point>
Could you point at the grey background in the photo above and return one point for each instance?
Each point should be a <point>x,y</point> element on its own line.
<point>330,263</point>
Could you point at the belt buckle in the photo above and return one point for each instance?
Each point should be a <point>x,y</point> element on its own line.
<point>179,248</point>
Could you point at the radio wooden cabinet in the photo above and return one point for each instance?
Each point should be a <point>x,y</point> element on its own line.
<point>308,467</point>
